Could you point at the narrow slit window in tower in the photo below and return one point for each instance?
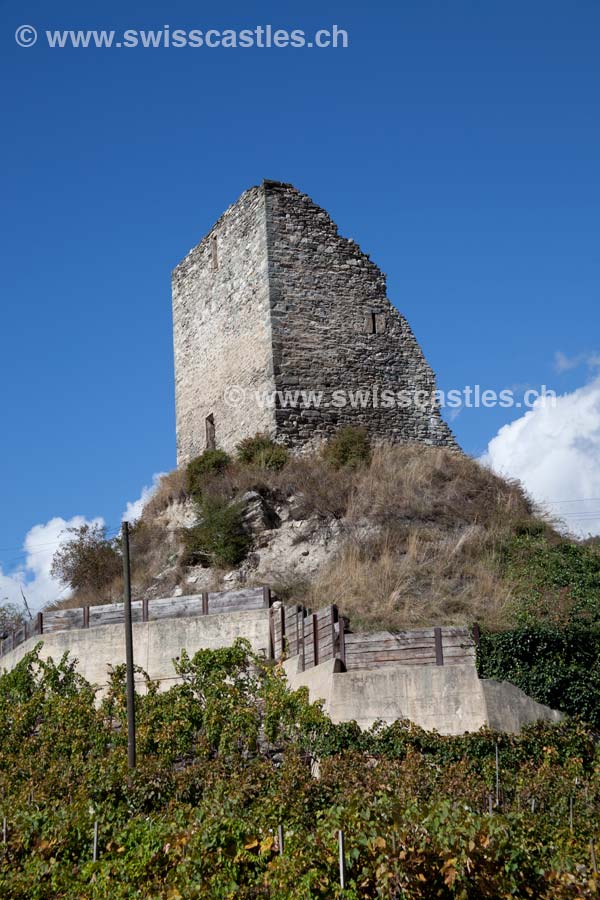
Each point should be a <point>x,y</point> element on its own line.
<point>210,433</point>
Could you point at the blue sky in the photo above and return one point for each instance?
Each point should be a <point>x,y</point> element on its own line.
<point>457,142</point>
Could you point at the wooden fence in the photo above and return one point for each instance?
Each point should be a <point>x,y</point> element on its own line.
<point>207,603</point>
<point>293,630</point>
<point>423,647</point>
<point>314,636</point>
<point>318,636</point>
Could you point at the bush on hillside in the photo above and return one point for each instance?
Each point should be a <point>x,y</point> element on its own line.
<point>350,447</point>
<point>202,468</point>
<point>88,562</point>
<point>261,451</point>
<point>11,618</point>
<point>220,538</point>
<point>554,581</point>
<point>171,488</point>
<point>557,667</point>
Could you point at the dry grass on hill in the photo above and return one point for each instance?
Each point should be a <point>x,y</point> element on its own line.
<point>172,488</point>
<point>425,527</point>
<point>421,532</point>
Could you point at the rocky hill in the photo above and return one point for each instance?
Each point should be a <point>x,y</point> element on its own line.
<point>396,536</point>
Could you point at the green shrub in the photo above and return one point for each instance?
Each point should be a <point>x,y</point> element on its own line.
<point>556,666</point>
<point>211,462</point>
<point>224,757</point>
<point>220,538</point>
<point>89,561</point>
<point>350,447</point>
<point>553,582</point>
<point>262,452</point>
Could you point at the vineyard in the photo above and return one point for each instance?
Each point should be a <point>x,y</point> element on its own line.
<point>230,761</point>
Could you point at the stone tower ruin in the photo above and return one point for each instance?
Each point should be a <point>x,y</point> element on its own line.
<point>282,326</point>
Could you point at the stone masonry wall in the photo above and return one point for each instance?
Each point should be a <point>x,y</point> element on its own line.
<point>273,298</point>
<point>222,331</point>
<point>326,299</point>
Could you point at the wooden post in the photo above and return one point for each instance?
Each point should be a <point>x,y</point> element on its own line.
<point>131,754</point>
<point>302,638</point>
<point>145,609</point>
<point>342,850</point>
<point>86,617</point>
<point>204,603</point>
<point>271,634</point>
<point>297,647</point>
<point>342,640</point>
<point>593,855</point>
<point>315,624</point>
<point>267,599</point>
<point>439,650</point>
<point>497,777</point>
<point>40,623</point>
<point>334,639</point>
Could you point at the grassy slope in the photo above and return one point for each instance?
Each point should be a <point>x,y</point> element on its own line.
<point>428,536</point>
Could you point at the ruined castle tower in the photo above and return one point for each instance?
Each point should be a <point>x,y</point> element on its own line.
<point>273,302</point>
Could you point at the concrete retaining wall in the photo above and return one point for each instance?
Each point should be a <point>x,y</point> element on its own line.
<point>155,644</point>
<point>447,699</point>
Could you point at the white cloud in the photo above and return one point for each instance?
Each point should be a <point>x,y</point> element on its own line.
<point>562,362</point>
<point>134,508</point>
<point>33,576</point>
<point>554,450</point>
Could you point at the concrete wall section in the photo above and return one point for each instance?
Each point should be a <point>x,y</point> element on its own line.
<point>155,644</point>
<point>447,699</point>
<point>508,708</point>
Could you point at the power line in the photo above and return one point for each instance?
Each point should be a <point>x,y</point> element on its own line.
<point>576,500</point>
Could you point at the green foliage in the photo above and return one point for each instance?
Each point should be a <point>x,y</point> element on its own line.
<point>554,582</point>
<point>558,667</point>
<point>11,617</point>
<point>226,756</point>
<point>554,652</point>
<point>350,447</point>
<point>200,469</point>
<point>262,452</point>
<point>88,561</point>
<point>220,538</point>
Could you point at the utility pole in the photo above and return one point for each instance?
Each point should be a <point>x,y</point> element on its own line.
<point>129,650</point>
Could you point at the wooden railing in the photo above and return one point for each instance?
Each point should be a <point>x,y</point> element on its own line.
<point>207,603</point>
<point>318,636</point>
<point>423,647</point>
<point>314,636</point>
<point>293,630</point>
